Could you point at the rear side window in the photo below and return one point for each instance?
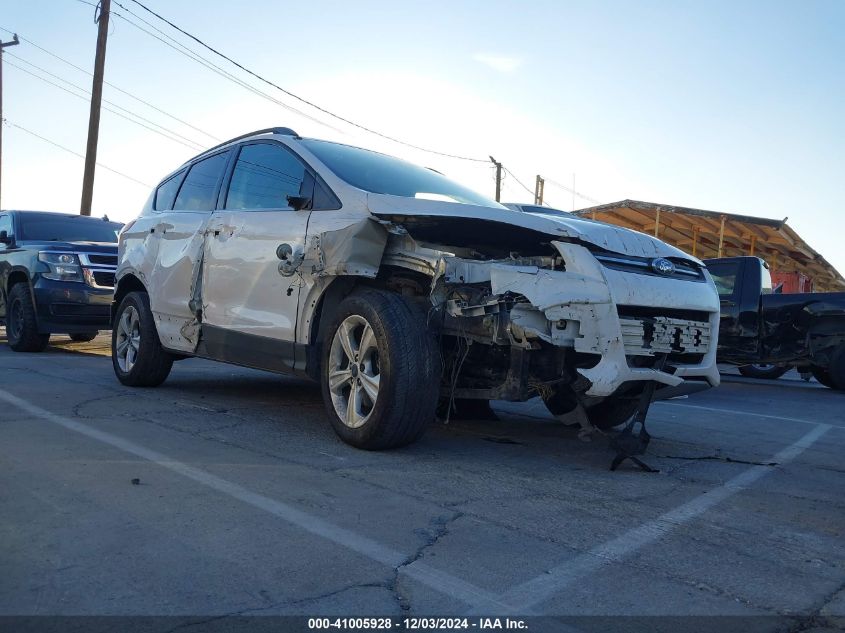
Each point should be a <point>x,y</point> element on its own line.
<point>264,176</point>
<point>166,192</point>
<point>199,191</point>
<point>6,224</point>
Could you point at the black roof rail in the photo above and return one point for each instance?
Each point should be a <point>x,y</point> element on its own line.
<point>286,131</point>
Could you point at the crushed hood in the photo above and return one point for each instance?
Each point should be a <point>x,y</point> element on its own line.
<point>605,236</point>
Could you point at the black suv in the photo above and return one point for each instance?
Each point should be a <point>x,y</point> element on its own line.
<point>56,276</point>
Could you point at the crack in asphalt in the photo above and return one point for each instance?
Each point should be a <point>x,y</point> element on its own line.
<point>717,458</point>
<point>441,529</point>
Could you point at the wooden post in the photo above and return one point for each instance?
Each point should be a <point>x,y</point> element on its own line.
<point>539,185</point>
<point>721,236</point>
<point>498,178</point>
<point>694,240</point>
<point>753,242</point>
<point>657,222</point>
<point>94,115</point>
<point>14,41</point>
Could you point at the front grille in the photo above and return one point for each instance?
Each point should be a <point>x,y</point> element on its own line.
<point>644,312</point>
<point>684,269</point>
<point>103,279</point>
<point>108,260</point>
<point>648,336</point>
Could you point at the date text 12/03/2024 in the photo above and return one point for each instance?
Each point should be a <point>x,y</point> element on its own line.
<point>415,624</point>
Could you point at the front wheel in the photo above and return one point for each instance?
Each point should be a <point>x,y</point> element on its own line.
<point>380,371</point>
<point>137,356</point>
<point>764,371</point>
<point>21,322</point>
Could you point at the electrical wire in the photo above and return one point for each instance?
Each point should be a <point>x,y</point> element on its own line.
<point>572,191</point>
<point>62,147</point>
<point>111,85</point>
<point>295,96</point>
<point>193,146</point>
<point>189,142</point>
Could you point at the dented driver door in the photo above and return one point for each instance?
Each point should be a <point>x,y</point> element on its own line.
<point>253,247</point>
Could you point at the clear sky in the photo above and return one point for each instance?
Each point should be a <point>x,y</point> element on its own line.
<point>729,106</point>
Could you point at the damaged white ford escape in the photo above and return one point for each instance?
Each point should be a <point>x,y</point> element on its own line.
<point>401,291</point>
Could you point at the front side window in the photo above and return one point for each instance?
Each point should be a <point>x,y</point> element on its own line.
<point>379,173</point>
<point>166,192</point>
<point>199,191</point>
<point>264,176</point>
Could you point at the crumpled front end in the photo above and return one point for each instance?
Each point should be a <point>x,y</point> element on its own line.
<point>626,320</point>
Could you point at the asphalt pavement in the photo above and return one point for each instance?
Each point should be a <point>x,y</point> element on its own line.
<point>225,492</point>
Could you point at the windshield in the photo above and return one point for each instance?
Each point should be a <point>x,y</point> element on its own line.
<point>48,227</point>
<point>379,173</point>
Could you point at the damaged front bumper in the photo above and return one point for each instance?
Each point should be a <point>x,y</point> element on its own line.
<point>625,319</point>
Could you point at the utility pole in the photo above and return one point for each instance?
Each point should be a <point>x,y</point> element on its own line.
<point>94,117</point>
<point>2,46</point>
<point>539,186</point>
<point>498,178</point>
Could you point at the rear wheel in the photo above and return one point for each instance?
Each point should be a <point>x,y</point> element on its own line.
<point>823,376</point>
<point>83,337</point>
<point>380,371</point>
<point>836,370</point>
<point>136,352</point>
<point>21,323</point>
<point>764,370</point>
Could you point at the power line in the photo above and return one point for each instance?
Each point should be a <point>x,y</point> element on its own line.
<point>193,146</point>
<point>202,61</point>
<point>190,142</point>
<point>114,87</point>
<point>572,191</point>
<point>295,96</point>
<point>62,147</point>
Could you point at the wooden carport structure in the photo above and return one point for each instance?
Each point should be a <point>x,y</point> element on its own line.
<point>716,234</point>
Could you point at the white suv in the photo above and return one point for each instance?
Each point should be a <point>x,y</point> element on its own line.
<point>399,290</point>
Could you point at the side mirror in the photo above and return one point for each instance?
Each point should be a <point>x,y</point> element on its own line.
<point>297,203</point>
<point>4,238</point>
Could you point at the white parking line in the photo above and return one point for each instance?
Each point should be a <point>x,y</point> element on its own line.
<point>749,413</point>
<point>525,597</point>
<point>419,571</point>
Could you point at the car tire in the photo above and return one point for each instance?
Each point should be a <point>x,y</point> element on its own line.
<point>138,358</point>
<point>836,369</point>
<point>380,371</point>
<point>823,376</point>
<point>83,337</point>
<point>21,322</point>
<point>612,412</point>
<point>764,371</point>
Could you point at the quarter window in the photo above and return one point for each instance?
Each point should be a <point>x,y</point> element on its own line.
<point>166,192</point>
<point>199,191</point>
<point>6,224</point>
<point>264,176</point>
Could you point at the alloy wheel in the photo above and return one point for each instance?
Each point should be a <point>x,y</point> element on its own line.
<point>354,371</point>
<point>128,340</point>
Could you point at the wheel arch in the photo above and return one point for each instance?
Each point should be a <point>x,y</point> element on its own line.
<point>128,283</point>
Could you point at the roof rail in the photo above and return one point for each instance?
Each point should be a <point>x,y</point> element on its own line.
<point>286,131</point>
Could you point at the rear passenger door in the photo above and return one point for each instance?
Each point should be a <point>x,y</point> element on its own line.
<point>180,247</point>
<point>249,302</point>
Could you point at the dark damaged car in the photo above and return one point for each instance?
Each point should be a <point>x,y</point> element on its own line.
<point>399,290</point>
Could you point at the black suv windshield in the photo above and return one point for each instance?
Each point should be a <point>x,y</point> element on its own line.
<point>379,173</point>
<point>49,227</point>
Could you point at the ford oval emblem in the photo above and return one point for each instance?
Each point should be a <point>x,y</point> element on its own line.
<point>663,266</point>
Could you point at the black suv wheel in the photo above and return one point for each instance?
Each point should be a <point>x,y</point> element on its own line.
<point>21,324</point>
